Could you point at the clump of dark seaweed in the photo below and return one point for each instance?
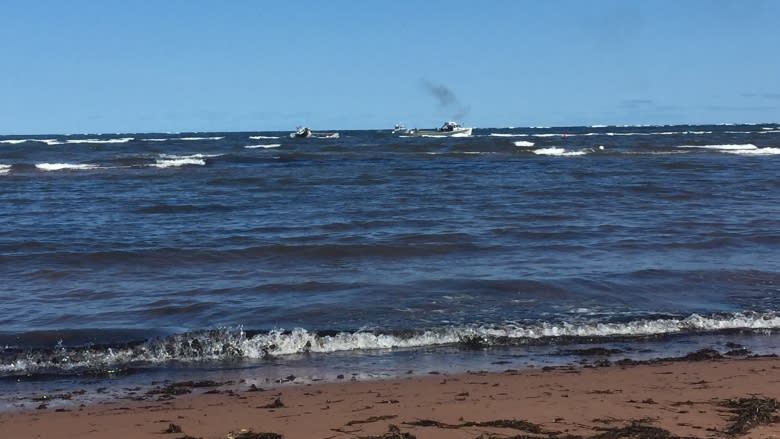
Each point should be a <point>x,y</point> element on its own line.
<point>636,430</point>
<point>274,405</point>
<point>253,435</point>
<point>751,412</point>
<point>500,423</point>
<point>393,432</point>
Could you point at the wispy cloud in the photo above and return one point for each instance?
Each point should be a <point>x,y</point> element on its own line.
<point>762,95</point>
<point>636,103</point>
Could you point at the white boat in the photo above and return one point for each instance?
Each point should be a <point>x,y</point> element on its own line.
<point>400,129</point>
<point>449,129</point>
<point>306,132</point>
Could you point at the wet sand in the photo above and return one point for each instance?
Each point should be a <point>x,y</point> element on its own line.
<point>696,397</point>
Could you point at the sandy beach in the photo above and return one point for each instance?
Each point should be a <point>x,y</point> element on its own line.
<point>661,399</point>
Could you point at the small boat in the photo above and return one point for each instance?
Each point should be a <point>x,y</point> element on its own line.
<point>306,132</point>
<point>449,129</point>
<point>400,129</point>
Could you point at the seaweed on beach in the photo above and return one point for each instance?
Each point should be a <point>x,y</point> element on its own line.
<point>393,432</point>
<point>371,419</point>
<point>500,423</point>
<point>274,405</point>
<point>248,434</point>
<point>751,412</point>
<point>636,429</point>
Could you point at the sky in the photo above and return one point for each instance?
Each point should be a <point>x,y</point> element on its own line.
<point>122,66</point>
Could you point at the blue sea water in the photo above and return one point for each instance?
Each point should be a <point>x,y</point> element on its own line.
<point>254,254</point>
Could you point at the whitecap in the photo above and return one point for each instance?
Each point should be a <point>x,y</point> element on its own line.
<point>271,145</point>
<point>263,137</point>
<point>119,140</point>
<point>757,151</point>
<point>557,151</point>
<point>200,138</point>
<point>523,143</point>
<point>190,156</point>
<point>724,147</point>
<point>507,135</point>
<point>4,169</point>
<point>64,166</point>
<point>172,163</point>
<point>19,141</point>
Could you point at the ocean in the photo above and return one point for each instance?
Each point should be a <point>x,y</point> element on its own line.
<point>253,257</point>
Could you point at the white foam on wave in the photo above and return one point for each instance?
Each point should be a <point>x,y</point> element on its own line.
<point>155,139</point>
<point>4,169</point>
<point>507,135</point>
<point>271,145</point>
<point>724,147</point>
<point>223,343</point>
<point>19,141</point>
<point>64,166</point>
<point>119,140</point>
<point>263,137</point>
<point>199,138</point>
<point>173,161</point>
<point>523,143</point>
<point>560,152</point>
<point>757,151</point>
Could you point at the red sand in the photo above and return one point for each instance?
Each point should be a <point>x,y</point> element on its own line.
<point>682,397</point>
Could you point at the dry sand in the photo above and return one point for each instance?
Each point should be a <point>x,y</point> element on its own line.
<point>685,398</point>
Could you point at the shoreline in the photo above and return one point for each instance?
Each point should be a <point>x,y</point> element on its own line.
<point>684,397</point>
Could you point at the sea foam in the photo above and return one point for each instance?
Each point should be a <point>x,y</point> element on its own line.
<point>556,151</point>
<point>64,166</point>
<point>225,344</point>
<point>271,145</point>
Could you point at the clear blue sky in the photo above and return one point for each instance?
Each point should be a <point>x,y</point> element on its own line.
<point>240,65</point>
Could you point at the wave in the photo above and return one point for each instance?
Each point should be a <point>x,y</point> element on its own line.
<point>523,143</point>
<point>556,151</point>
<point>64,166</point>
<point>507,135</point>
<point>263,137</point>
<point>177,162</point>
<point>119,140</point>
<point>20,141</point>
<point>224,344</point>
<point>153,139</point>
<point>742,149</point>
<point>4,169</point>
<point>199,138</point>
<point>271,145</point>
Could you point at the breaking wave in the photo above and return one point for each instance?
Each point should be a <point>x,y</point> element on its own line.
<point>20,141</point>
<point>263,137</point>
<point>119,140</point>
<point>225,344</point>
<point>4,169</point>
<point>200,138</point>
<point>64,166</point>
<point>560,152</point>
<point>524,143</point>
<point>173,161</point>
<point>271,145</point>
<point>743,149</point>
